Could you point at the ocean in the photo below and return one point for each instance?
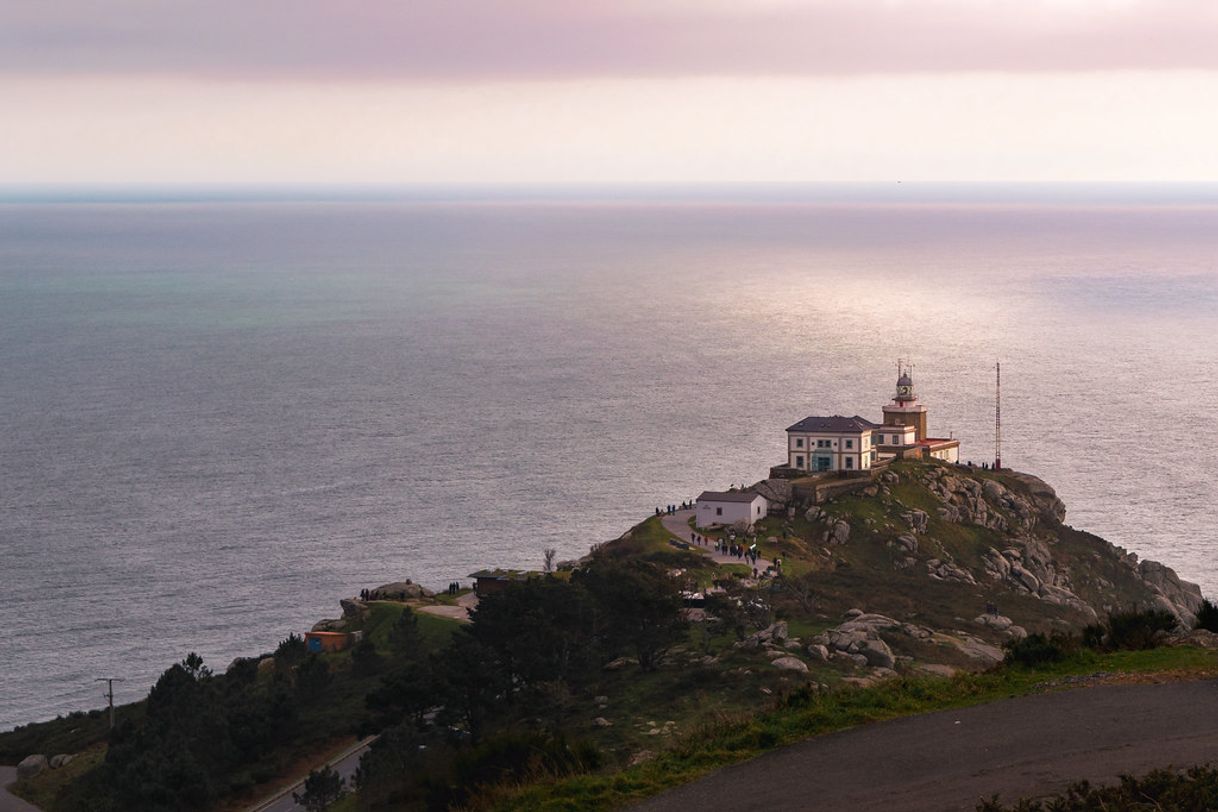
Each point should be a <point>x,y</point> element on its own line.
<point>220,415</point>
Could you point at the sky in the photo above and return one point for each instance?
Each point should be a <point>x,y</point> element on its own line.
<point>558,91</point>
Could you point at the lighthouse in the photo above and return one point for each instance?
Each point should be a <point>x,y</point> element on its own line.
<point>905,410</point>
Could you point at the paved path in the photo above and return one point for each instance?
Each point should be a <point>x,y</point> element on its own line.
<point>678,525</point>
<point>8,802</point>
<point>460,612</point>
<point>345,764</point>
<point>1033,745</point>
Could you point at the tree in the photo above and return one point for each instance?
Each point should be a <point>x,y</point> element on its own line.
<point>365,661</point>
<point>473,683</point>
<point>641,605</point>
<point>291,652</point>
<point>541,630</point>
<point>321,789</point>
<point>1207,617</point>
<point>312,677</point>
<point>548,564</point>
<point>408,692</point>
<point>800,590</point>
<point>404,640</point>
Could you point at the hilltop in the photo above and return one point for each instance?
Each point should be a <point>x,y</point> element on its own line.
<point>915,558</point>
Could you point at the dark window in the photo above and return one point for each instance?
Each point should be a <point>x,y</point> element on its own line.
<point>799,442</point>
<point>850,444</point>
<point>718,511</point>
<point>799,461</point>
<point>849,462</point>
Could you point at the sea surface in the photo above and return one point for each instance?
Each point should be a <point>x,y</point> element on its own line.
<point>219,416</point>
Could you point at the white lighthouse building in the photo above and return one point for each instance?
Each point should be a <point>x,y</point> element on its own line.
<point>853,444</point>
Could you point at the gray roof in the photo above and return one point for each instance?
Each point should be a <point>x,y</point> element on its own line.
<point>834,425</point>
<point>728,496</point>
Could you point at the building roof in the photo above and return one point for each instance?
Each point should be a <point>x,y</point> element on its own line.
<point>501,575</point>
<point>930,442</point>
<point>834,425</point>
<point>728,496</point>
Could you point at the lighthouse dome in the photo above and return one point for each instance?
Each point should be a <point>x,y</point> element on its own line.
<point>904,380</point>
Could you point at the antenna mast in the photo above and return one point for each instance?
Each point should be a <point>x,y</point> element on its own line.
<point>998,416</point>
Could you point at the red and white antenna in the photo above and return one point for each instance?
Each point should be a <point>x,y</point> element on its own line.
<point>998,416</point>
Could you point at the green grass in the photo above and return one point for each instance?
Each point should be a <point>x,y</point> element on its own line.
<point>42,790</point>
<point>66,734</point>
<point>730,739</point>
<point>433,630</point>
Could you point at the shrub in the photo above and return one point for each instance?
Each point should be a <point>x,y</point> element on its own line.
<point>1093,635</point>
<point>1207,617</point>
<point>1037,649</point>
<point>1136,630</point>
<point>1161,789</point>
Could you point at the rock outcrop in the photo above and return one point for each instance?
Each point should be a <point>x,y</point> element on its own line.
<point>1181,598</point>
<point>399,591</point>
<point>31,766</point>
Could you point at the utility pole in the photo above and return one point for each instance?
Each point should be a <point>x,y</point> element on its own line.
<point>998,416</point>
<point>109,694</point>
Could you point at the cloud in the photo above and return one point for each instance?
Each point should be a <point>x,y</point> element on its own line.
<point>463,40</point>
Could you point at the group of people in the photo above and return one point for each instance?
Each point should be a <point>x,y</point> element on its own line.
<point>734,550</point>
<point>669,510</point>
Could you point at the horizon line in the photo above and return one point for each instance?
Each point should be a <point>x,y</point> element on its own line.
<point>1065,191</point>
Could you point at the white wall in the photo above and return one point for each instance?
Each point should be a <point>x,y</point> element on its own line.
<point>836,450</point>
<point>711,513</point>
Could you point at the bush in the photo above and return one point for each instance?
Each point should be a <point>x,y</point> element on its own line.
<point>1161,789</point>
<point>1093,635</point>
<point>1135,631</point>
<point>1037,649</point>
<point>1207,617</point>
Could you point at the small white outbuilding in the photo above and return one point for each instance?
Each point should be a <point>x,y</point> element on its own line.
<point>725,508</point>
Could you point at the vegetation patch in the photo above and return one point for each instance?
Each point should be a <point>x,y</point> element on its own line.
<point>1192,789</point>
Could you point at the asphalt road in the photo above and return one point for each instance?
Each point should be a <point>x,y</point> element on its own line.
<point>1030,746</point>
<point>345,766</point>
<point>11,803</point>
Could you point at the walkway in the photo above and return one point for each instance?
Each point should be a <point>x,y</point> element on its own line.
<point>678,525</point>
<point>459,612</point>
<point>1030,746</point>
<point>8,802</point>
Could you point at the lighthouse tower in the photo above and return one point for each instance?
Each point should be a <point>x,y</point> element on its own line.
<point>905,409</point>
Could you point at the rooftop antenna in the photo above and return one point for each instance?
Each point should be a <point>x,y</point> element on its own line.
<point>998,416</point>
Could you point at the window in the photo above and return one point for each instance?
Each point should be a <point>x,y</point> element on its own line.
<point>718,511</point>
<point>759,510</point>
<point>799,460</point>
<point>850,444</point>
<point>849,461</point>
<point>799,442</point>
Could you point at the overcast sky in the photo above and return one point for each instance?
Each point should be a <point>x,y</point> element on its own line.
<point>149,91</point>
